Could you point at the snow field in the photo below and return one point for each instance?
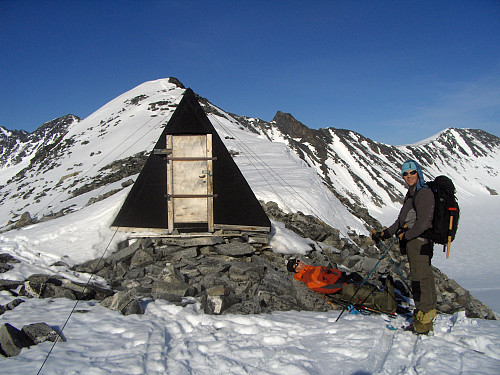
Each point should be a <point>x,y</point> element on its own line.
<point>182,340</point>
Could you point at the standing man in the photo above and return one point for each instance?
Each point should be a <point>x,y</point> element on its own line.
<point>416,216</point>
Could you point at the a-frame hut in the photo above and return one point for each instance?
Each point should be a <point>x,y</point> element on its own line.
<point>190,182</point>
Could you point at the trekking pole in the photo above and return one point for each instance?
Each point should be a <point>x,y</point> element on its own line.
<point>452,210</point>
<point>366,278</point>
<point>398,270</point>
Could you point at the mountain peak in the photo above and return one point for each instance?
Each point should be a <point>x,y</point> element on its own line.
<point>176,82</point>
<point>57,125</point>
<point>290,126</point>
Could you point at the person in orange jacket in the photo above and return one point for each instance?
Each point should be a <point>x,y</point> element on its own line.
<point>320,279</point>
<point>331,281</point>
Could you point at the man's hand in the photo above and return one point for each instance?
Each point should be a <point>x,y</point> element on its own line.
<point>385,235</point>
<point>377,236</point>
<point>401,232</point>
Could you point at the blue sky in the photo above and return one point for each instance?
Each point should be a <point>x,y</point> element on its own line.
<point>394,71</point>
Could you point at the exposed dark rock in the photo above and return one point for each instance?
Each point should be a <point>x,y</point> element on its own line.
<point>4,267</point>
<point>24,220</point>
<point>45,286</point>
<point>134,307</point>
<point>9,284</point>
<point>240,274</point>
<point>235,249</point>
<point>7,258</point>
<point>13,304</point>
<point>141,258</point>
<point>113,172</point>
<point>12,340</point>
<point>176,82</point>
<point>92,266</point>
<point>124,302</point>
<point>172,291</point>
<point>290,126</point>
<point>40,332</point>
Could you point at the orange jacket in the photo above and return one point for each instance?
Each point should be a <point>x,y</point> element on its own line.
<point>320,279</point>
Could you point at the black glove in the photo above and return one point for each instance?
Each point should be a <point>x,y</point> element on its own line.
<point>377,236</point>
<point>385,235</point>
<point>402,230</point>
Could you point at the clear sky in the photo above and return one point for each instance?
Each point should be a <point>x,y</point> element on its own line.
<point>394,71</point>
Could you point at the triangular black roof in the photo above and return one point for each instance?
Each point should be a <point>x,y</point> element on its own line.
<point>146,205</point>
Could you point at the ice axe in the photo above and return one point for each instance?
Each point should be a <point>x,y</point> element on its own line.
<point>452,210</point>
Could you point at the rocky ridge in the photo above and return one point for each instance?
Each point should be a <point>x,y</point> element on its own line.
<point>363,173</point>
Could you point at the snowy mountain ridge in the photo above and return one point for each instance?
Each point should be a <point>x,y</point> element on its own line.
<point>56,167</point>
<point>65,171</point>
<point>366,173</point>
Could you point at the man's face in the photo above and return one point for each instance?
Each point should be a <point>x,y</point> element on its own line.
<point>410,177</point>
<point>299,265</point>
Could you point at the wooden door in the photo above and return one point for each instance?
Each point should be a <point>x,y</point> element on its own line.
<point>190,182</point>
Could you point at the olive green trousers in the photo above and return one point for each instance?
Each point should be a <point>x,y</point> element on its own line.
<point>423,285</point>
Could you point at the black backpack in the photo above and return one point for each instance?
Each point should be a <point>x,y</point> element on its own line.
<point>446,211</point>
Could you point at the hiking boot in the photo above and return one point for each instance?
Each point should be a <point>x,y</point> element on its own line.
<point>423,321</point>
<point>411,328</point>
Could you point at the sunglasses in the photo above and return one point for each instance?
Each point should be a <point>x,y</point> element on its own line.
<point>411,173</point>
<point>296,263</point>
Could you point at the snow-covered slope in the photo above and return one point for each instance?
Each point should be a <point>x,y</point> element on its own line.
<point>171,339</point>
<point>70,161</point>
<point>47,179</point>
<point>177,340</point>
<point>65,172</point>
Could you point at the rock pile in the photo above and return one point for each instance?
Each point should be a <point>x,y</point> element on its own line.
<point>229,272</point>
<point>359,254</point>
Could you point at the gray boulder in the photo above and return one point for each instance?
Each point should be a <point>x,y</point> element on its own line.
<point>12,340</point>
<point>9,284</point>
<point>235,249</point>
<point>24,220</point>
<point>141,258</point>
<point>125,254</point>
<point>133,308</point>
<point>193,242</point>
<point>124,302</point>
<point>40,332</point>
<point>172,291</point>
<point>92,266</point>
<point>216,300</point>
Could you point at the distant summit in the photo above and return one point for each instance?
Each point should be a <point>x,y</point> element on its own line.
<point>287,124</point>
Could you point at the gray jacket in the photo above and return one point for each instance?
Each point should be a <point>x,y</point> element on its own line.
<point>418,219</point>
